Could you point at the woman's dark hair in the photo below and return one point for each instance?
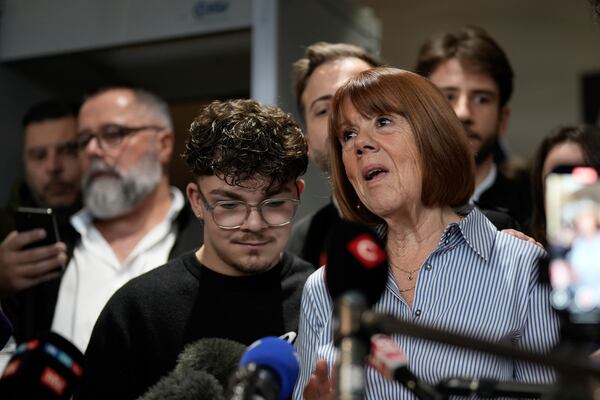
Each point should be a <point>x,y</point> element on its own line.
<point>588,138</point>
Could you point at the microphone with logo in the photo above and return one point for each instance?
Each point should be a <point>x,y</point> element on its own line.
<point>48,368</point>
<point>268,371</point>
<point>389,360</point>
<point>356,274</point>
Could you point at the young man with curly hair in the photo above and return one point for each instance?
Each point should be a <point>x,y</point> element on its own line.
<point>240,284</point>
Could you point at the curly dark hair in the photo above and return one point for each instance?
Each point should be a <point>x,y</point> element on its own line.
<point>240,140</point>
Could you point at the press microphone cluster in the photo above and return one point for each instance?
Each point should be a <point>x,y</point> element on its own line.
<point>356,274</point>
<point>202,371</point>
<point>389,360</point>
<point>48,368</point>
<point>220,369</point>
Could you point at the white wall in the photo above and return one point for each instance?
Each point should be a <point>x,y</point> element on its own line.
<point>550,44</point>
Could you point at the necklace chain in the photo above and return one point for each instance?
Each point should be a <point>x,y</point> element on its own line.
<point>410,273</point>
<point>406,290</point>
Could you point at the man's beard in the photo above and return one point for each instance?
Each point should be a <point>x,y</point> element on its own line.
<point>115,193</point>
<point>321,159</point>
<point>246,265</point>
<point>487,147</point>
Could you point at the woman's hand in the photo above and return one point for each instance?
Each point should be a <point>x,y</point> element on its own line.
<point>319,387</point>
<point>522,236</point>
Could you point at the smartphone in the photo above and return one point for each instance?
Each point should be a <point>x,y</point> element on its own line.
<point>28,218</point>
<point>573,232</point>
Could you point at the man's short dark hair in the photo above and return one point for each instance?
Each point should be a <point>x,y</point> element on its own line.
<point>49,110</point>
<point>475,49</point>
<point>320,53</point>
<point>240,140</point>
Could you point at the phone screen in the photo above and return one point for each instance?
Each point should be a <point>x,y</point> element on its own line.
<point>573,231</point>
<point>27,218</point>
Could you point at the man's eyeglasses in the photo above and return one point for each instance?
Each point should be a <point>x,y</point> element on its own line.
<point>231,214</point>
<point>111,135</point>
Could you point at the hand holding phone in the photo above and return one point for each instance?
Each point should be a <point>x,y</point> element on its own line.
<point>28,256</point>
<point>28,218</point>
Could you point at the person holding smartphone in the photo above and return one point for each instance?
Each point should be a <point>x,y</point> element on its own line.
<point>565,145</point>
<point>52,180</point>
<point>131,222</point>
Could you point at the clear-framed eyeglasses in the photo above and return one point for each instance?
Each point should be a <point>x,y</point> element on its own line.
<point>231,214</point>
<point>111,135</point>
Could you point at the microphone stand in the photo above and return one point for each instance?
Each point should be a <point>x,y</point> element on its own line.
<point>352,346</point>
<point>389,325</point>
<point>491,388</point>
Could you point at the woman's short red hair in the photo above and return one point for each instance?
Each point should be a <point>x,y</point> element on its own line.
<point>447,164</point>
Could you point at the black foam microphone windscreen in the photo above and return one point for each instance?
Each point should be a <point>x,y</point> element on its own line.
<point>48,368</point>
<point>197,385</point>
<point>217,357</point>
<point>356,261</point>
<point>202,371</point>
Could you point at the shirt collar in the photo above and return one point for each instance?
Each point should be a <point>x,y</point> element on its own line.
<point>478,232</point>
<point>83,220</point>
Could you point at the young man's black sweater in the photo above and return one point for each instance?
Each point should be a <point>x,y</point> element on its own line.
<point>147,323</point>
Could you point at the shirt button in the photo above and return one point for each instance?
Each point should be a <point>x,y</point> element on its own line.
<point>417,313</point>
<point>428,267</point>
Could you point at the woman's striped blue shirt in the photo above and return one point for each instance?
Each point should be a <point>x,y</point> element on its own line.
<point>478,282</point>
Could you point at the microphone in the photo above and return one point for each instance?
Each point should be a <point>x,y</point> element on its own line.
<point>47,368</point>
<point>268,371</point>
<point>6,330</point>
<point>389,360</point>
<point>356,274</point>
<point>202,371</point>
<point>489,388</point>
<point>199,385</point>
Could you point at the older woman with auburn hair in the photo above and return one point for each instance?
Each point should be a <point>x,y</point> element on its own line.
<point>399,159</point>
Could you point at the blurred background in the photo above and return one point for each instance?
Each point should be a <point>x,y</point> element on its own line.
<point>193,51</point>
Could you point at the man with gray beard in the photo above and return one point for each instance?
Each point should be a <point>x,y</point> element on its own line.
<point>132,220</point>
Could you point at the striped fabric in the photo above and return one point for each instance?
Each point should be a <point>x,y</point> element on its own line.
<point>478,282</point>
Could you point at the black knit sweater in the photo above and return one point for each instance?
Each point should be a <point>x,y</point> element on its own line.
<point>147,323</point>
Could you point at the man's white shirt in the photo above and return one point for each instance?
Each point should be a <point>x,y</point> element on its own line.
<point>94,273</point>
